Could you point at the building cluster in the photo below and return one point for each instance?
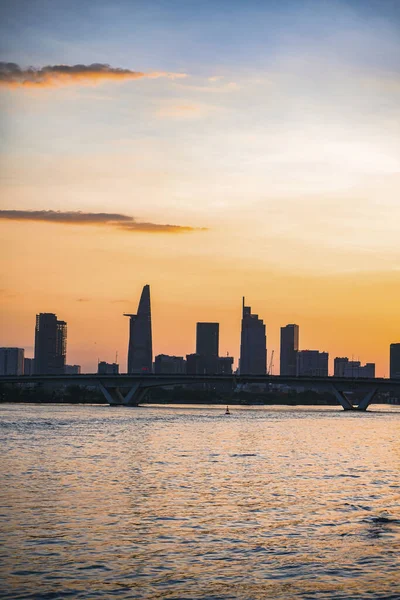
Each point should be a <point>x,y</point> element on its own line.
<point>253,351</point>
<point>49,353</point>
<point>51,344</point>
<point>343,367</point>
<point>313,363</point>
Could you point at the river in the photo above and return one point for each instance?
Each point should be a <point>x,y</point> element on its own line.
<point>188,503</point>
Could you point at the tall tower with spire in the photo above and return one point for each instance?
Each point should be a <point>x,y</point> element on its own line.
<point>140,349</point>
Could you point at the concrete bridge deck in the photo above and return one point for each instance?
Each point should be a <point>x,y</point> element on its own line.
<point>130,389</point>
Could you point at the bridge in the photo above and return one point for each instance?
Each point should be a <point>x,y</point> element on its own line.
<point>131,389</point>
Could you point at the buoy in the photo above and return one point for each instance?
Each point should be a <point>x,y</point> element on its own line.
<point>227,411</point>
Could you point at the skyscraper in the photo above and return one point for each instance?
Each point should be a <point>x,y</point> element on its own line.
<point>312,363</point>
<point>12,361</point>
<point>207,346</point>
<point>253,344</point>
<point>289,348</point>
<point>394,361</point>
<point>50,345</point>
<point>140,349</point>
<point>207,339</point>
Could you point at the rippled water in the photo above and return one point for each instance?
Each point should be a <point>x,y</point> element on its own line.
<point>189,503</point>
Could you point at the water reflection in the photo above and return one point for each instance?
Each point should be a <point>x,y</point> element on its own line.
<point>188,503</point>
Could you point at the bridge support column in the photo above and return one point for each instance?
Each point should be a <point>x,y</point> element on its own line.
<point>112,395</point>
<point>366,401</point>
<point>135,395</point>
<point>362,405</point>
<point>343,400</point>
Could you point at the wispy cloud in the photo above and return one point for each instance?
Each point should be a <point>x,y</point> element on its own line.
<point>57,216</point>
<point>115,220</point>
<point>156,227</point>
<point>182,111</point>
<point>12,75</point>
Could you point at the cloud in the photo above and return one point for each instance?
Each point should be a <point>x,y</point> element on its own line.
<point>11,75</point>
<point>156,228</point>
<point>185,111</point>
<point>115,220</point>
<point>56,216</point>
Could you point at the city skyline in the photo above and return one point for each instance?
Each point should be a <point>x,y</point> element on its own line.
<point>199,298</point>
<point>293,359</point>
<point>257,154</point>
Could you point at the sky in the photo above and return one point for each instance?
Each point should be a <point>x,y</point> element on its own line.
<point>213,150</point>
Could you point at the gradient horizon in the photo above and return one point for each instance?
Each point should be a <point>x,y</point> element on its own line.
<point>257,154</point>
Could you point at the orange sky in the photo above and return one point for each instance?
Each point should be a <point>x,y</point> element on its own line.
<point>90,276</point>
<point>258,155</point>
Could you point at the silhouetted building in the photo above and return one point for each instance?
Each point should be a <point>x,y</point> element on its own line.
<point>50,345</point>
<point>12,361</point>
<point>289,348</point>
<point>140,349</point>
<point>105,368</point>
<point>207,345</point>
<point>72,369</point>
<point>207,339</point>
<point>395,361</point>
<point>195,364</point>
<point>312,363</point>
<point>225,364</point>
<point>28,366</point>
<point>343,367</point>
<point>253,344</point>
<point>173,365</point>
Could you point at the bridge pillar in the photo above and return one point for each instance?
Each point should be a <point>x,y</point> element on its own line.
<point>114,396</point>
<point>341,397</point>
<point>362,405</point>
<point>135,395</point>
<point>366,401</point>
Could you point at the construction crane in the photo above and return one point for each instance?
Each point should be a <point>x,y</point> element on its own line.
<point>271,364</point>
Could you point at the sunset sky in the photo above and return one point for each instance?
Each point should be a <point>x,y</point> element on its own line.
<point>213,150</point>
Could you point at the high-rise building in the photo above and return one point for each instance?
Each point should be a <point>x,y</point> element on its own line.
<point>194,364</point>
<point>207,346</point>
<point>207,339</point>
<point>312,363</point>
<point>253,344</point>
<point>28,366</point>
<point>140,349</point>
<point>343,367</point>
<point>171,365</point>
<point>225,364</point>
<point>289,348</point>
<point>50,345</point>
<point>105,368</point>
<point>72,369</point>
<point>12,361</point>
<point>394,361</point>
